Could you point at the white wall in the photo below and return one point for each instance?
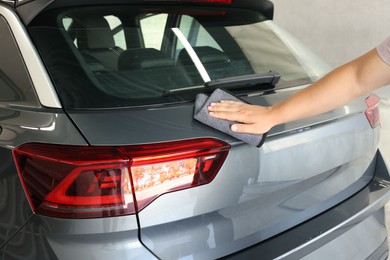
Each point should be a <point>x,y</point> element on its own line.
<point>338,30</point>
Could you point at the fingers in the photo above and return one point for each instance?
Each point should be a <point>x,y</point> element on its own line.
<point>251,119</point>
<point>226,106</point>
<point>228,110</point>
<point>227,115</point>
<point>245,129</point>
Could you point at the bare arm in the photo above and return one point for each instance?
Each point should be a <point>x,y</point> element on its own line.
<point>339,87</point>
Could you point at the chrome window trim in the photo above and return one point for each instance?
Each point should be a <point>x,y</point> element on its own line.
<point>40,79</point>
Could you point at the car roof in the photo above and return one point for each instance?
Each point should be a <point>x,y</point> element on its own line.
<point>28,9</point>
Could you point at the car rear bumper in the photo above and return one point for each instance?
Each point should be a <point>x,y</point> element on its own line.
<point>355,227</point>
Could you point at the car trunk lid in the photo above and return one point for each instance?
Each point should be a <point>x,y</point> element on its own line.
<point>303,168</point>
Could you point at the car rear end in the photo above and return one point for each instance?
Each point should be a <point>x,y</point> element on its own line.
<point>116,167</point>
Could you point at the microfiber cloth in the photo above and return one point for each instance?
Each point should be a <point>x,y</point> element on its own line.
<point>201,114</point>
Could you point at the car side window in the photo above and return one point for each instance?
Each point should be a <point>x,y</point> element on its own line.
<point>115,26</point>
<point>196,34</point>
<point>117,31</point>
<point>152,28</point>
<point>15,83</point>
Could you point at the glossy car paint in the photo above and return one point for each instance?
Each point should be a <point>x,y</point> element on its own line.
<point>303,169</point>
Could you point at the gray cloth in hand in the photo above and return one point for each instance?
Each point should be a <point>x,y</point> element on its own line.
<point>201,114</point>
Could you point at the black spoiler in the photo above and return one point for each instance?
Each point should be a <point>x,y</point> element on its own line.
<point>28,9</point>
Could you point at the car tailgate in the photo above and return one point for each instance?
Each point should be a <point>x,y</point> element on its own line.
<point>304,168</point>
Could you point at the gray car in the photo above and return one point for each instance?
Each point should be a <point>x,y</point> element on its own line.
<point>100,157</point>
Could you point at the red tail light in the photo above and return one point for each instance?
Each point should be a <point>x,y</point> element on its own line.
<point>372,111</point>
<point>84,182</point>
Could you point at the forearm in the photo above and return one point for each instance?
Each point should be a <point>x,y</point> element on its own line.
<point>339,87</point>
<point>335,89</point>
<point>326,94</point>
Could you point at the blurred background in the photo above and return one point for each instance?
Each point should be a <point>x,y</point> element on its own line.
<point>337,30</point>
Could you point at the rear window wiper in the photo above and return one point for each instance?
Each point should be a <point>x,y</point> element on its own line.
<point>271,78</point>
<point>266,81</point>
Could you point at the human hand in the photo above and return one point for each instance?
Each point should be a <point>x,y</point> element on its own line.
<point>251,119</point>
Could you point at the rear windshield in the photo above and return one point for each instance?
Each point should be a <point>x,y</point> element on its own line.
<point>121,56</point>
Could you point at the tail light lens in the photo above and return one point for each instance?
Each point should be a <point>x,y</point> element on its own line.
<point>372,111</point>
<point>85,182</point>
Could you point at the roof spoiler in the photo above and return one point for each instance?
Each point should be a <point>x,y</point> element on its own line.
<point>28,9</point>
<point>266,7</point>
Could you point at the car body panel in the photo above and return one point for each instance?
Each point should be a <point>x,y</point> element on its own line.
<point>271,194</point>
<point>362,212</point>
<point>115,238</point>
<point>255,205</point>
<point>138,126</point>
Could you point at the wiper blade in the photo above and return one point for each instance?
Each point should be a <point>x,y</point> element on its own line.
<point>271,78</point>
<point>268,80</point>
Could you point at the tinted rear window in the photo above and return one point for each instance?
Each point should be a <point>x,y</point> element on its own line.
<point>131,56</point>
